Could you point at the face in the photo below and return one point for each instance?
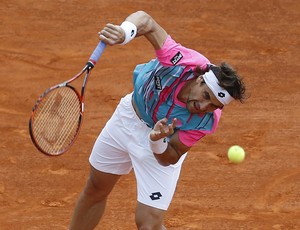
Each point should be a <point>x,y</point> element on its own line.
<point>201,99</point>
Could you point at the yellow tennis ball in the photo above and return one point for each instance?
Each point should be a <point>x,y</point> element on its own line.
<point>236,154</point>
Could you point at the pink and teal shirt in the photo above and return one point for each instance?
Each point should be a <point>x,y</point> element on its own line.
<point>157,84</point>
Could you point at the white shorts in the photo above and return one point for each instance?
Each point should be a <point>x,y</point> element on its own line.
<point>123,144</point>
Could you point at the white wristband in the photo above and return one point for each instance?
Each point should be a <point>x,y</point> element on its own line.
<point>158,146</point>
<point>130,31</point>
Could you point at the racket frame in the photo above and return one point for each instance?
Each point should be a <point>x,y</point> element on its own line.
<point>85,70</point>
<point>88,67</point>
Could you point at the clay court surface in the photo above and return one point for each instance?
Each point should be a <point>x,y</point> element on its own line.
<point>46,42</point>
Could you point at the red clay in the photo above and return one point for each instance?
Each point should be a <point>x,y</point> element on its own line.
<point>45,42</point>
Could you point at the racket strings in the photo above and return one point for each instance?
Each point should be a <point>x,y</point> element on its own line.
<point>57,120</point>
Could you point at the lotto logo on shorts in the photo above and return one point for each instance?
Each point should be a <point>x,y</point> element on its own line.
<point>155,196</point>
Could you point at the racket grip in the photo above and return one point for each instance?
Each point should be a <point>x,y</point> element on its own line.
<point>97,53</point>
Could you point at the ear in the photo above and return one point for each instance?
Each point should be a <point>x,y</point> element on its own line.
<point>200,79</point>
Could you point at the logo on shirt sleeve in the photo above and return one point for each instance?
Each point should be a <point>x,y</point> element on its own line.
<point>176,58</point>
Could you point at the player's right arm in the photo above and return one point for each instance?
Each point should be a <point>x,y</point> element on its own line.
<point>146,26</point>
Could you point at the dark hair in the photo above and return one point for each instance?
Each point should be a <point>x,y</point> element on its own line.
<point>228,80</point>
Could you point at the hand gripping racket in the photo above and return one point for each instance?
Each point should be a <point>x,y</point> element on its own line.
<point>58,113</point>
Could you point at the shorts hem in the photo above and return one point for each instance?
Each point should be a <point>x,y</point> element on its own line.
<point>95,166</point>
<point>155,205</point>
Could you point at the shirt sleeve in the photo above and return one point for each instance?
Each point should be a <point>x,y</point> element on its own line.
<point>173,53</point>
<point>191,137</point>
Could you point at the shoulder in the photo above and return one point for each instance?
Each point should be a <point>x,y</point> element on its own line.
<point>173,53</point>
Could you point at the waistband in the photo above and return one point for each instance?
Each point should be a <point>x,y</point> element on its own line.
<point>137,111</point>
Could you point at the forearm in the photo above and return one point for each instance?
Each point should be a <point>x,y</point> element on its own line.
<point>143,22</point>
<point>168,157</point>
<point>149,28</point>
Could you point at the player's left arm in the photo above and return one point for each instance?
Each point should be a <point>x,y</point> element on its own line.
<point>166,152</point>
<point>173,153</point>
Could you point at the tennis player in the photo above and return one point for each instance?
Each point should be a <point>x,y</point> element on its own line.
<point>178,98</point>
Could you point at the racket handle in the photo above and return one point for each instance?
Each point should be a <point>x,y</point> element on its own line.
<point>97,53</point>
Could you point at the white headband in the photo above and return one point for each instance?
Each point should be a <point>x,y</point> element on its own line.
<point>221,94</point>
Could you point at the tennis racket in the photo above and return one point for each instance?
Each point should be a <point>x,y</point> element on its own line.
<point>57,115</point>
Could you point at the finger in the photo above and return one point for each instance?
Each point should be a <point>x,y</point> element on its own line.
<point>166,130</point>
<point>113,30</point>
<point>109,25</point>
<point>162,128</point>
<point>106,40</point>
<point>109,34</point>
<point>164,121</point>
<point>174,123</point>
<point>171,129</point>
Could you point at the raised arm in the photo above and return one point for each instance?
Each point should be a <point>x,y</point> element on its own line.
<point>145,26</point>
